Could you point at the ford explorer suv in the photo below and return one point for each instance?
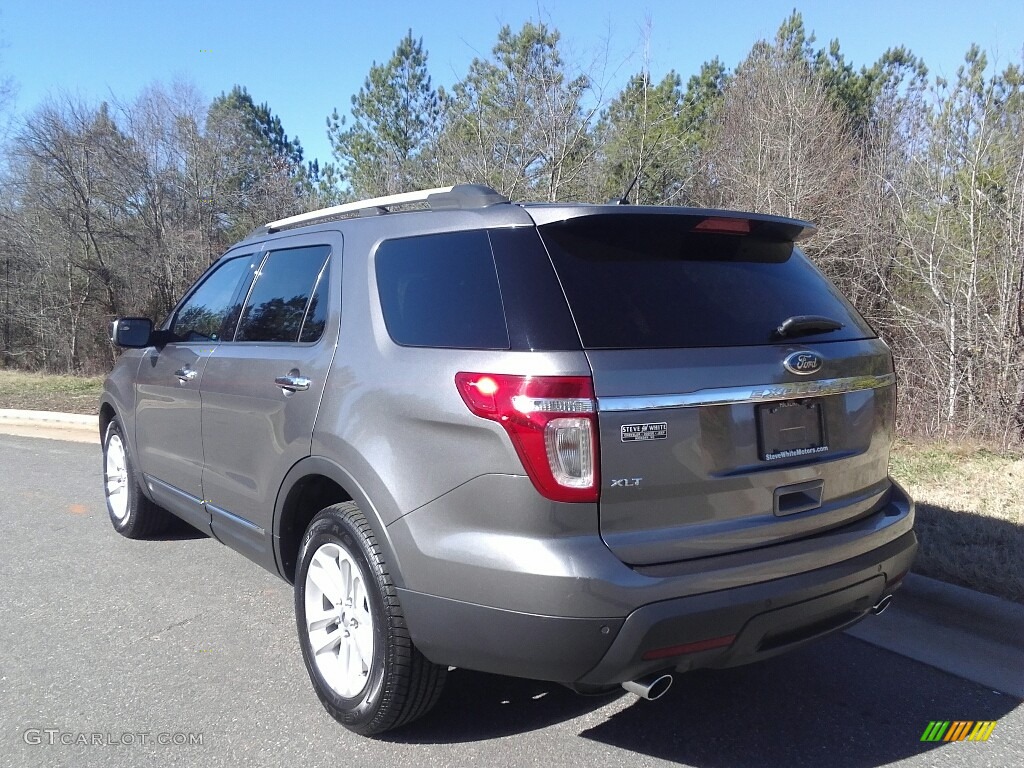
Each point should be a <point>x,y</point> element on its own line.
<point>591,444</point>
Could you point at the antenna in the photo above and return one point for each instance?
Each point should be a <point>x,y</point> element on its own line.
<point>624,200</point>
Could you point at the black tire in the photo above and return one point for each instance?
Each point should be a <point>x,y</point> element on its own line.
<point>400,683</point>
<point>141,516</point>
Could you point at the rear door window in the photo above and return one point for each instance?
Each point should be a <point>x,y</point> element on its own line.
<point>648,281</point>
<point>441,291</point>
<point>277,305</point>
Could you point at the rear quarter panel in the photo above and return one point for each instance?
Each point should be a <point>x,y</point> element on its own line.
<point>391,415</point>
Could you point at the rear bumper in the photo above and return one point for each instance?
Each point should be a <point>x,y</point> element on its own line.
<point>765,619</point>
<point>762,618</point>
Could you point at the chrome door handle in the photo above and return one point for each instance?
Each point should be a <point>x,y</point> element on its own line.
<point>186,374</point>
<point>293,383</point>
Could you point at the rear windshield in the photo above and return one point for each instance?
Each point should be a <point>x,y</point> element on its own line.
<point>647,281</point>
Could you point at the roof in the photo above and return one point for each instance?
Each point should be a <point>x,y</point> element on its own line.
<point>478,196</point>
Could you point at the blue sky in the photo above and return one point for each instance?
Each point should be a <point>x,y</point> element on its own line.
<point>305,62</point>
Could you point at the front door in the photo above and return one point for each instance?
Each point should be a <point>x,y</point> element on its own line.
<point>168,417</point>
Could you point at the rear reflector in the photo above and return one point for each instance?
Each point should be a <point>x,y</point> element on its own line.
<point>682,650</point>
<point>552,423</point>
<point>897,578</point>
<point>724,226</point>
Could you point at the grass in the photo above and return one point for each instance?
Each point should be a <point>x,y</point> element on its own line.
<point>970,514</point>
<point>970,517</point>
<point>49,392</point>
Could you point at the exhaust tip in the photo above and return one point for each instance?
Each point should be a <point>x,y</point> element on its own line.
<point>881,605</point>
<point>651,687</point>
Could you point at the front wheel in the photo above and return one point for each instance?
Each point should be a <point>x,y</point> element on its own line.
<point>358,653</point>
<point>131,512</point>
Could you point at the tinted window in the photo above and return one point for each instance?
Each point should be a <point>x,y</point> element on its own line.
<point>441,291</point>
<point>316,312</point>
<point>649,282</point>
<point>535,310</point>
<point>277,303</point>
<point>210,313</point>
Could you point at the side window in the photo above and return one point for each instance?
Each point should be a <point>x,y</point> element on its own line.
<point>441,291</point>
<point>280,297</point>
<point>210,313</point>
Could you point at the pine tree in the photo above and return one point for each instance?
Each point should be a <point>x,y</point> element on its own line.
<point>394,118</point>
<point>516,121</point>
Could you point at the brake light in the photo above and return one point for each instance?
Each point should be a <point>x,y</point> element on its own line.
<point>724,226</point>
<point>552,421</point>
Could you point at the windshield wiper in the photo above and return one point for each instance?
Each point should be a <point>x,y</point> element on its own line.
<point>804,325</point>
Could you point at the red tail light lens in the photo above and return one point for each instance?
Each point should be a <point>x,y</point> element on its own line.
<point>553,425</point>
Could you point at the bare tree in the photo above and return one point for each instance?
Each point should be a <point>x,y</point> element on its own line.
<point>517,122</point>
<point>957,287</point>
<point>116,209</point>
<point>783,147</point>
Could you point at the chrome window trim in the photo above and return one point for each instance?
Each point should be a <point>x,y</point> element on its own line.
<point>761,393</point>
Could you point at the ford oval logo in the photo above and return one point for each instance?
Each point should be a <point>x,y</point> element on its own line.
<point>803,362</point>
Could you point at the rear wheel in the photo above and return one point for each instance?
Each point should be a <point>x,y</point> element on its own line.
<point>131,512</point>
<point>360,658</point>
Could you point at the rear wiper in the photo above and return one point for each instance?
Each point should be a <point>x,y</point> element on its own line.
<point>803,325</point>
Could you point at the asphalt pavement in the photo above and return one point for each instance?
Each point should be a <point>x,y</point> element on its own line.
<point>109,647</point>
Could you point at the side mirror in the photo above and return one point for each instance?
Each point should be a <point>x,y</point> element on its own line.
<point>131,332</point>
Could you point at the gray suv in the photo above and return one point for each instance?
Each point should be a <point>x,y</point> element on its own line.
<point>591,444</point>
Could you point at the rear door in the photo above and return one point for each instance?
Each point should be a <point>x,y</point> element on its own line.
<point>262,389</point>
<point>710,443</point>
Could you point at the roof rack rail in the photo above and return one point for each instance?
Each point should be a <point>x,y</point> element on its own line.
<point>460,196</point>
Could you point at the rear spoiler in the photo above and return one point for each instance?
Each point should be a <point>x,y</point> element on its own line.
<point>779,228</point>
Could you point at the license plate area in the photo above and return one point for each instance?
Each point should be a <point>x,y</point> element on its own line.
<point>789,429</point>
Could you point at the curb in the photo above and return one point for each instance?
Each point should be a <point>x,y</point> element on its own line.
<point>966,633</point>
<point>79,428</point>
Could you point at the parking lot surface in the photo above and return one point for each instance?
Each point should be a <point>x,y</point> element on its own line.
<point>180,652</point>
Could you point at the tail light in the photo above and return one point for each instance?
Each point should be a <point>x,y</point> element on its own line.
<point>553,425</point>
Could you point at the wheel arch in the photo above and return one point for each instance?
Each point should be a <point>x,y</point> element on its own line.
<point>312,484</point>
<point>107,414</point>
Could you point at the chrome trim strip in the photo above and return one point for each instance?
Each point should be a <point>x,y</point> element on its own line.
<point>235,519</point>
<point>151,481</point>
<point>762,393</point>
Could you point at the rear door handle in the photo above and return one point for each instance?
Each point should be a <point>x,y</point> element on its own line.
<point>293,383</point>
<point>186,374</point>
